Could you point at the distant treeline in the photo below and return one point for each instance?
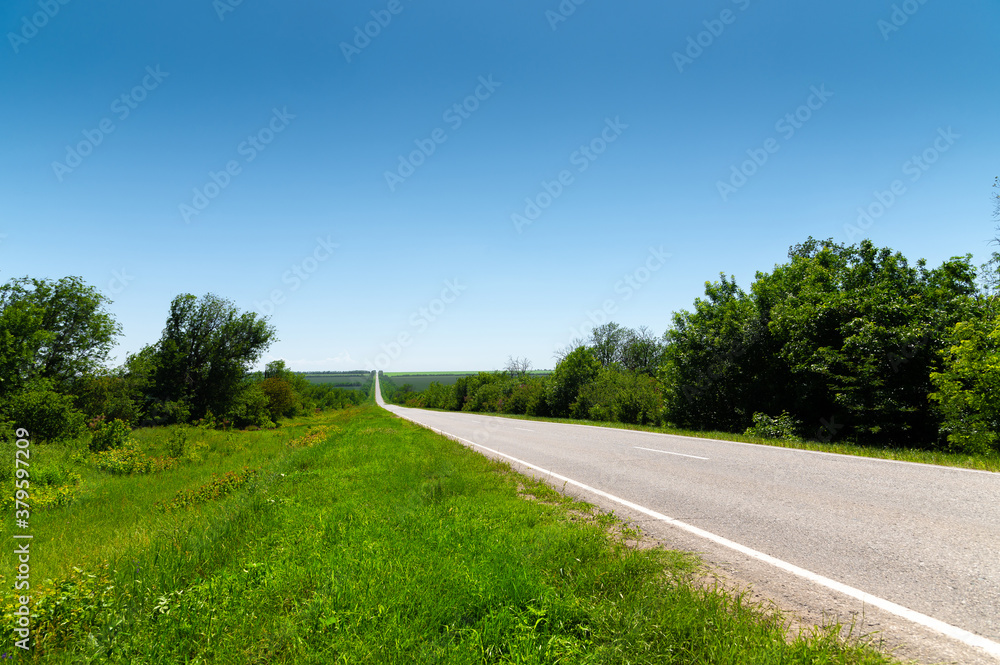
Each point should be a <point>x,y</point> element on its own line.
<point>55,337</point>
<point>841,343</point>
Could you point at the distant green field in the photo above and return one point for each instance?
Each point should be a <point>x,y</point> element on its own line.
<point>421,380</point>
<point>345,380</point>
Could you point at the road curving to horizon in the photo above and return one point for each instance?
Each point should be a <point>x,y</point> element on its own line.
<point>914,549</point>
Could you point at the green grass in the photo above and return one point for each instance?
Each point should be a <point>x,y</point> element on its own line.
<point>379,543</point>
<point>964,461</point>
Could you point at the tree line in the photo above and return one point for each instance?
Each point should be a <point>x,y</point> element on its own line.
<point>55,338</point>
<point>847,343</point>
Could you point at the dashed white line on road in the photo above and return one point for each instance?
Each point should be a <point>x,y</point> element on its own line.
<point>667,452</point>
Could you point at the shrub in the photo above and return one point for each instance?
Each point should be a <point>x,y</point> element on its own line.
<point>620,396</point>
<point>782,427</point>
<point>113,397</point>
<point>968,384</point>
<point>177,442</point>
<point>129,460</point>
<point>526,398</point>
<point>217,488</point>
<point>109,436</point>
<point>578,368</point>
<point>250,407</point>
<point>42,411</point>
<point>282,401</point>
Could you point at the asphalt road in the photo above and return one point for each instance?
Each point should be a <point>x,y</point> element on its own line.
<point>922,537</point>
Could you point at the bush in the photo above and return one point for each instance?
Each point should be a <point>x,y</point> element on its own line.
<point>46,414</point>
<point>110,436</point>
<point>109,396</point>
<point>129,459</point>
<point>620,396</point>
<point>250,407</point>
<point>577,369</point>
<point>527,398</point>
<point>282,402</point>
<point>783,427</point>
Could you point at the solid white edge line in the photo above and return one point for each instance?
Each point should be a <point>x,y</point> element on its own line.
<point>954,632</point>
<point>667,452</point>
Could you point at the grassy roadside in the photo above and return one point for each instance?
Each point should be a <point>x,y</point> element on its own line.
<point>369,539</point>
<point>976,462</point>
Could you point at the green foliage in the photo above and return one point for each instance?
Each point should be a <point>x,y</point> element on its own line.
<point>528,397</point>
<point>248,407</point>
<point>620,396</point>
<point>572,373</point>
<point>45,413</point>
<point>845,333</point>
<point>113,395</point>
<point>714,372</point>
<point>782,427</point>
<point>218,487</point>
<point>110,436</point>
<point>204,354</point>
<point>177,442</point>
<point>968,385</point>
<point>282,402</point>
<point>129,459</point>
<point>52,330</point>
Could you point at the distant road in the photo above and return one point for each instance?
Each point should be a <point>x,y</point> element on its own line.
<point>925,538</point>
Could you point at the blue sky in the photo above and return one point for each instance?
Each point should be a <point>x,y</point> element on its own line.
<point>473,180</point>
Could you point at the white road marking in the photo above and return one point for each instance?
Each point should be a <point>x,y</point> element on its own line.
<point>667,452</point>
<point>954,632</point>
<point>523,429</point>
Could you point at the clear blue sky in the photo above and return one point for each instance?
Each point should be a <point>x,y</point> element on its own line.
<point>115,113</point>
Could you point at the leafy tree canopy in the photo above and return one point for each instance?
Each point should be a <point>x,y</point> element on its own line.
<point>52,330</point>
<point>205,352</point>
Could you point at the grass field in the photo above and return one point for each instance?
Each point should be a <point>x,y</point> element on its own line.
<point>362,538</point>
<point>346,380</point>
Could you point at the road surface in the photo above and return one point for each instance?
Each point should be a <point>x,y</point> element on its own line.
<point>915,548</point>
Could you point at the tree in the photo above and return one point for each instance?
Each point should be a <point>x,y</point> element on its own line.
<point>996,211</point>
<point>859,329</point>
<point>577,369</point>
<point>969,382</point>
<point>607,341</point>
<point>642,351</point>
<point>54,330</point>
<point>205,352</point>
<point>517,368</point>
<point>714,371</point>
